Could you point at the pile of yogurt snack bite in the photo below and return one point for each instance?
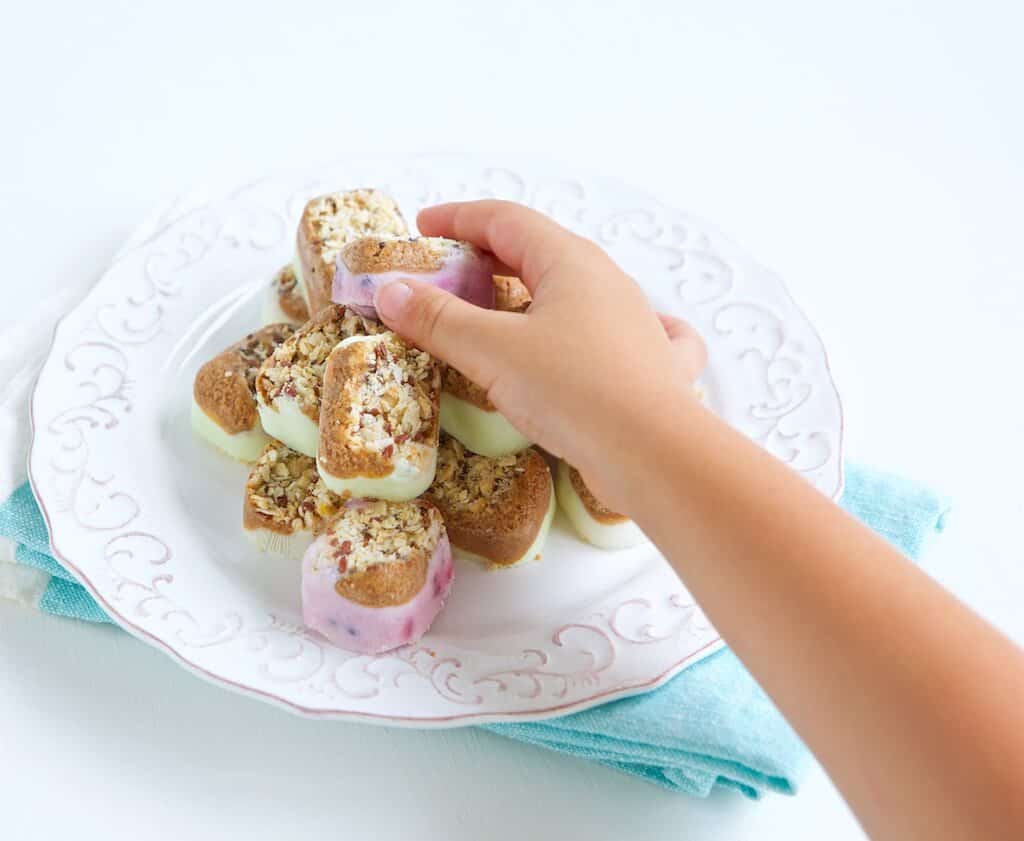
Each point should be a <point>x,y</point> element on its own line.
<point>373,461</point>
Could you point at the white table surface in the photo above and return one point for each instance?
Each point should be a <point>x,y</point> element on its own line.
<point>874,157</point>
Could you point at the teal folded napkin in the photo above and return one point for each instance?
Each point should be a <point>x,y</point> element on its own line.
<point>709,726</point>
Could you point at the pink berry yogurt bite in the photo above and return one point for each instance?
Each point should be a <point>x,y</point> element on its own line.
<point>371,262</point>
<point>378,576</point>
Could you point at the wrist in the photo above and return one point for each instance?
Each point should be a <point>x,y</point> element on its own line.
<point>637,452</point>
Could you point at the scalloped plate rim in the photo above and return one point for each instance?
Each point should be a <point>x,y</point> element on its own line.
<point>463,719</point>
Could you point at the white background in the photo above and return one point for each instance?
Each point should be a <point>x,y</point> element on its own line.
<point>872,155</point>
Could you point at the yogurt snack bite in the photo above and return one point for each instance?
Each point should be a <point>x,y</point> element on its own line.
<point>286,504</point>
<point>377,577</point>
<point>468,415</point>
<point>497,510</point>
<point>595,523</point>
<point>330,222</point>
<point>288,385</point>
<point>283,301</point>
<point>379,418</point>
<point>224,410</point>
<point>373,261</point>
<point>466,412</point>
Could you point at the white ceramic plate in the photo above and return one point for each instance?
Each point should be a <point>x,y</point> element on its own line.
<point>148,518</point>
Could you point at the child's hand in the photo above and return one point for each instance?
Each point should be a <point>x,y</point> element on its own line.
<point>582,368</point>
<point>827,615</point>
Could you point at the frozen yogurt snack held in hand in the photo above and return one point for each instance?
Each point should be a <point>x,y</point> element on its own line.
<point>595,523</point>
<point>378,576</point>
<point>283,301</point>
<point>379,418</point>
<point>224,410</point>
<point>329,223</point>
<point>497,510</point>
<point>289,384</point>
<point>468,415</point>
<point>371,262</point>
<point>286,503</point>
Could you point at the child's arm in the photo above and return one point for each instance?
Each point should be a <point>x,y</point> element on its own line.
<point>912,703</point>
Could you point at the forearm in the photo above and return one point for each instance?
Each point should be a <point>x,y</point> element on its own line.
<point>908,699</point>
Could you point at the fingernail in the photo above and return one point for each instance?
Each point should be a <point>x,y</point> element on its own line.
<point>390,299</point>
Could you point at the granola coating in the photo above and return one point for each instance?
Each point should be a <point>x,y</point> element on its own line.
<point>284,493</point>
<point>492,507</point>
<point>296,368</point>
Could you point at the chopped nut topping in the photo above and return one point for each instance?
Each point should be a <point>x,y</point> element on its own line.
<point>284,487</point>
<point>393,403</point>
<point>378,532</point>
<point>336,219</point>
<point>255,348</point>
<point>296,368</point>
<point>379,394</point>
<point>471,482</point>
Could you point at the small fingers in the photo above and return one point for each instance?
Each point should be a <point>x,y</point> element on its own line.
<point>527,242</point>
<point>464,335</point>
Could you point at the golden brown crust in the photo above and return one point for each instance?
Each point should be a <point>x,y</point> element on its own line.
<point>416,255</point>
<point>506,525</point>
<point>386,585</point>
<point>593,505</point>
<point>511,294</point>
<point>289,298</point>
<point>225,387</point>
<point>346,370</point>
<point>328,223</point>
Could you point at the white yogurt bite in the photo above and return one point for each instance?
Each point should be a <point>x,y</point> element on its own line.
<point>595,523</point>
<point>497,510</point>
<point>379,419</point>
<point>289,384</point>
<point>284,301</point>
<point>467,414</point>
<point>378,576</point>
<point>330,222</point>
<point>371,262</point>
<point>285,503</point>
<point>224,410</point>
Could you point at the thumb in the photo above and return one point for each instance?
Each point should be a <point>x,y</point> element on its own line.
<point>457,332</point>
